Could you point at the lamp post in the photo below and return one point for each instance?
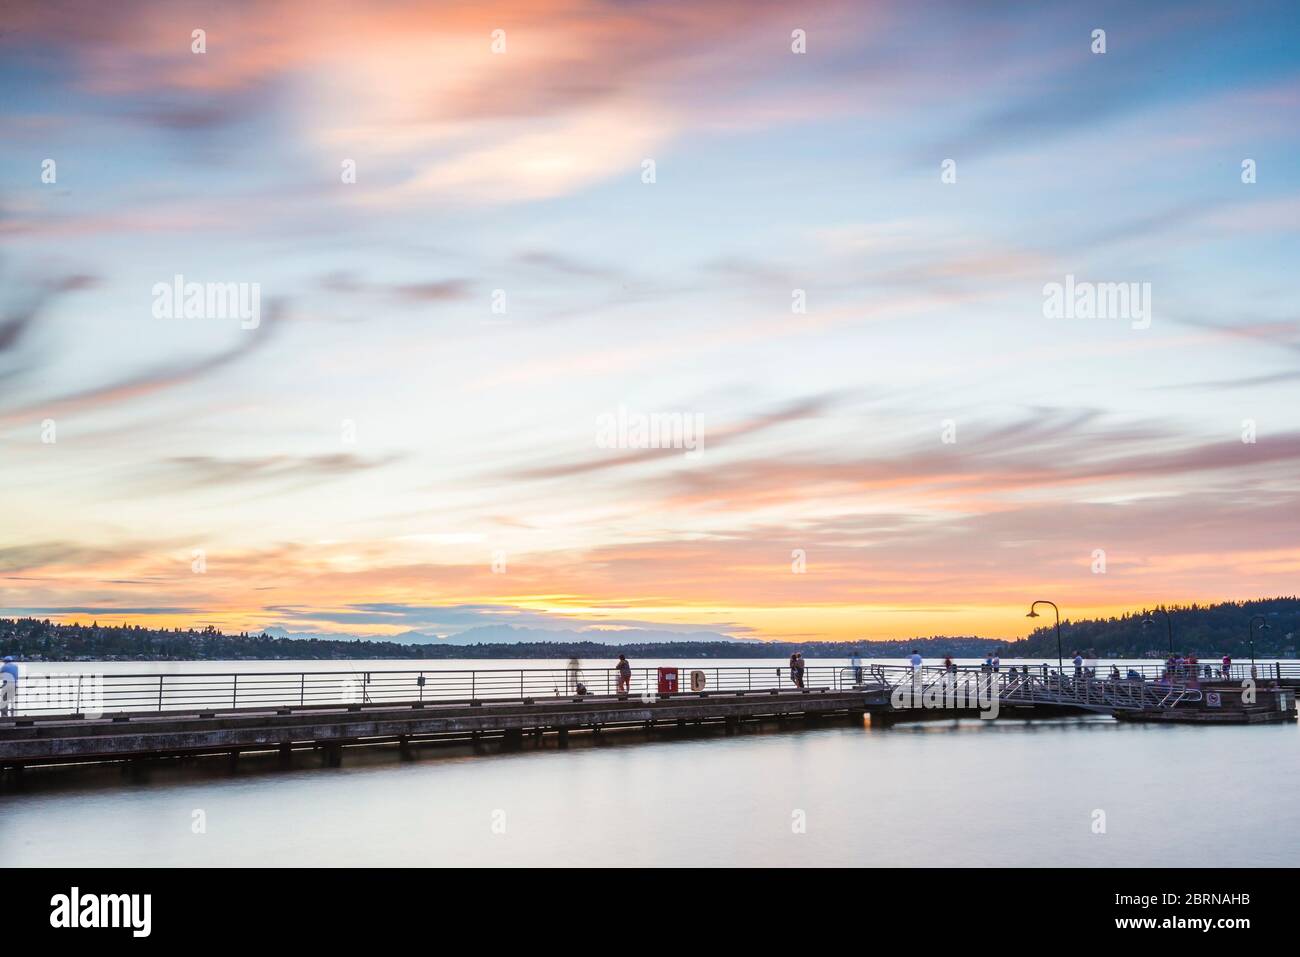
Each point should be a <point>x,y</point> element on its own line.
<point>1060,657</point>
<point>1168,625</point>
<point>1263,626</point>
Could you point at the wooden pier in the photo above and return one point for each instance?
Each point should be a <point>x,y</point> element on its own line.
<point>330,729</point>
<point>137,717</point>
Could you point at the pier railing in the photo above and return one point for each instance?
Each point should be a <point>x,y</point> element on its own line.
<point>1101,670</point>
<point>972,687</point>
<point>96,694</point>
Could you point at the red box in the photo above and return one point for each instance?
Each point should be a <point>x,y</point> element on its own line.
<point>667,680</point>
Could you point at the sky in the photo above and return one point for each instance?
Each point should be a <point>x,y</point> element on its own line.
<point>490,241</point>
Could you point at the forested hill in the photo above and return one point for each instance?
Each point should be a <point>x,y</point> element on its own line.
<point>1205,629</point>
<point>40,639</point>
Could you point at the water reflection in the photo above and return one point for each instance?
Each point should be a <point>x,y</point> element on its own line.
<point>961,793</point>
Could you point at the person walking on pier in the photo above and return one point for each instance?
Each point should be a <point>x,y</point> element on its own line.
<point>9,674</point>
<point>855,662</point>
<point>624,674</point>
<point>1227,666</point>
<point>796,669</point>
<point>916,659</point>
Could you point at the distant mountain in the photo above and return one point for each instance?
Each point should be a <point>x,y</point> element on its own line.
<point>509,634</point>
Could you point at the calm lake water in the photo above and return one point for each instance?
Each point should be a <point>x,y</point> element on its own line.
<point>961,793</point>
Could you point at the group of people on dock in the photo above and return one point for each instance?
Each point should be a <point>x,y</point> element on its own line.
<point>1178,669</point>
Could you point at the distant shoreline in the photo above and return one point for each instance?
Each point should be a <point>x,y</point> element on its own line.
<point>1209,631</point>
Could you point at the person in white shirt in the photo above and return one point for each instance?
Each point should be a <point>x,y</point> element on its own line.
<point>855,662</point>
<point>997,662</point>
<point>9,675</point>
<point>916,660</point>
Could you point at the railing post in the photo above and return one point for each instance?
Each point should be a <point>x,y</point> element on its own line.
<point>234,691</point>
<point>160,681</point>
<point>521,684</point>
<point>302,689</point>
<point>473,684</point>
<point>79,677</point>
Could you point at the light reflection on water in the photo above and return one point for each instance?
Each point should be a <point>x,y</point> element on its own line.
<point>961,793</point>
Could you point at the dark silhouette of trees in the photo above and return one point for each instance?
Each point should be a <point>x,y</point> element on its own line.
<point>1205,629</point>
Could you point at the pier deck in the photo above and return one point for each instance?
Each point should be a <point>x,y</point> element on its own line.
<point>168,734</point>
<point>73,719</point>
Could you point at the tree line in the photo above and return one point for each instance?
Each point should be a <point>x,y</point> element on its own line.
<point>1214,629</point>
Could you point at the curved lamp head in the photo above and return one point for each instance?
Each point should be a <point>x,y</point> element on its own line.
<point>1032,614</point>
<point>1148,621</point>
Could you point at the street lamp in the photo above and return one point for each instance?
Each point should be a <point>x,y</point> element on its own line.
<point>1168,624</point>
<point>1060,658</point>
<point>1263,626</point>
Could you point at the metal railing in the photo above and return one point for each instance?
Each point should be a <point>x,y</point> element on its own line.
<point>106,694</point>
<point>94,694</point>
<point>1036,686</point>
<point>1155,671</point>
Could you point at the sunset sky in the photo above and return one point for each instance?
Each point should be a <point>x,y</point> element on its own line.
<point>386,452</point>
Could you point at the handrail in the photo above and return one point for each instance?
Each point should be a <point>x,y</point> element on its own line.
<point>222,691</point>
<point>1016,687</point>
<point>57,694</point>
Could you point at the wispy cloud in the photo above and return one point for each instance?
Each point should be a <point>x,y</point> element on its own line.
<point>406,441</point>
